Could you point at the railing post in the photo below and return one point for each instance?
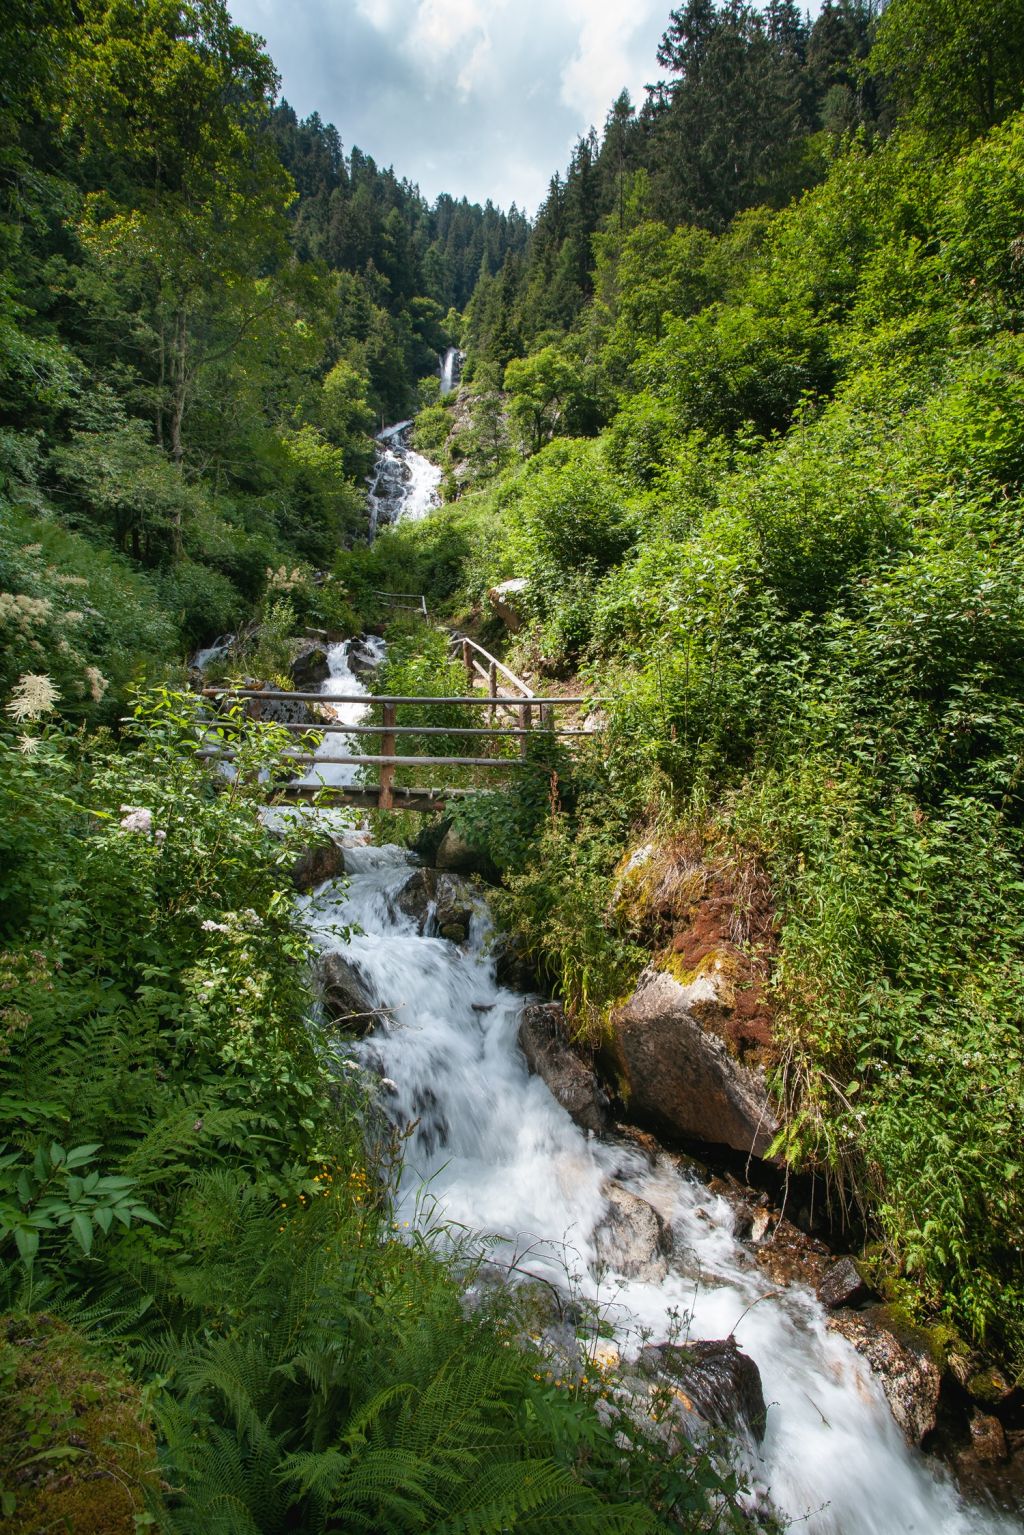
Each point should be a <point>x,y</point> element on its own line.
<point>526,721</point>
<point>386,798</point>
<point>467,661</point>
<point>492,687</point>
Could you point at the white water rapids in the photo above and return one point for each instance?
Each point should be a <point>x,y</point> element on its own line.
<point>404,485</point>
<point>497,1154</point>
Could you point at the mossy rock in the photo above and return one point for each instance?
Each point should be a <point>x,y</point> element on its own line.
<point>76,1447</point>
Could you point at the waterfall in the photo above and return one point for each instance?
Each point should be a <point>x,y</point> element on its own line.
<point>404,484</point>
<point>494,1153</point>
<point>450,370</point>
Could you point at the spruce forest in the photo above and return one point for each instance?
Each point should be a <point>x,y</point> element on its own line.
<point>735,449</point>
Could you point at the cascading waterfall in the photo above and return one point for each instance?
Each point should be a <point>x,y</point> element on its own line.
<point>404,484</point>
<point>496,1154</point>
<point>450,367</point>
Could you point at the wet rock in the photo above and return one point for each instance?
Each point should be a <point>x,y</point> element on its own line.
<point>458,856</point>
<point>910,1375</point>
<point>281,711</point>
<point>438,900</point>
<point>322,861</point>
<point>990,1387</point>
<point>310,666</point>
<point>844,1285</point>
<point>988,1439</point>
<point>544,1040</point>
<point>632,1238</point>
<point>787,1254</point>
<point>717,1379</point>
<point>511,967</point>
<point>681,1079</point>
<point>506,599</point>
<point>363,656</point>
<point>346,998</point>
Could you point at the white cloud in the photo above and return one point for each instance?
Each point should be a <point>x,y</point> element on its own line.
<point>613,52</point>
<point>480,98</point>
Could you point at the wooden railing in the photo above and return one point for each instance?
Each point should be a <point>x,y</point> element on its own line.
<point>383,794</point>
<point>404,602</point>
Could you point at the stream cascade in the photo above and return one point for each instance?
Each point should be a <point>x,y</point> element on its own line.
<point>494,1153</point>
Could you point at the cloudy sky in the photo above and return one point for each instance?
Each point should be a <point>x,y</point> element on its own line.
<point>480,98</point>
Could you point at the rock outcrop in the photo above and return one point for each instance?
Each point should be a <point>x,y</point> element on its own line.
<point>544,1040</point>
<point>678,1074</point>
<point>459,856</point>
<point>324,860</point>
<point>909,1372</point>
<point>507,601</point>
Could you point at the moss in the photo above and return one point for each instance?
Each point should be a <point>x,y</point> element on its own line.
<point>723,964</point>
<point>76,1448</point>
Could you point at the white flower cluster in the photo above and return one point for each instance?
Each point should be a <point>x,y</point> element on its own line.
<point>209,926</point>
<point>136,819</point>
<point>34,695</point>
<point>17,611</point>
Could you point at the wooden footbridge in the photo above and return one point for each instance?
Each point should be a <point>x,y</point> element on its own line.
<point>506,697</point>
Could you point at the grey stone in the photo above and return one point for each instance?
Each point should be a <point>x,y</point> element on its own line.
<point>844,1285</point>
<point>632,1239</point>
<point>439,901</point>
<point>680,1077</point>
<point>347,999</point>
<point>322,861</point>
<point>544,1040</point>
<point>458,856</point>
<point>310,667</point>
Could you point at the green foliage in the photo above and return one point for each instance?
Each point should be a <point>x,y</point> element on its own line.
<point>793,558</point>
<point>191,1182</point>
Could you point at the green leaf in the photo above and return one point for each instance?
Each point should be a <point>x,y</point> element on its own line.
<point>81,1225</point>
<point>28,1243</point>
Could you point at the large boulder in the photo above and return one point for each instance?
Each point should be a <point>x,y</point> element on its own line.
<point>506,599</point>
<point>459,856</point>
<point>905,1363</point>
<point>310,666</point>
<point>364,655</point>
<point>677,1072</point>
<point>632,1239</point>
<point>346,997</point>
<point>544,1040</point>
<point>324,860</point>
<point>718,1380</point>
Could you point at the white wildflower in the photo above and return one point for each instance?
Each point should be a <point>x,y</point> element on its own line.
<point>98,684</point>
<point>34,695</point>
<point>31,548</point>
<point>350,1065</point>
<point>137,820</point>
<point>209,926</point>
<point>63,580</point>
<point>22,612</point>
<point>160,836</point>
<point>28,745</point>
<point>391,1086</point>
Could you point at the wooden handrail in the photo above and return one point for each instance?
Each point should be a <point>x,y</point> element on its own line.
<point>282,695</point>
<point>334,727</point>
<point>382,760</point>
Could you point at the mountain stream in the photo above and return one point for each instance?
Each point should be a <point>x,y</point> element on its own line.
<point>494,1153</point>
